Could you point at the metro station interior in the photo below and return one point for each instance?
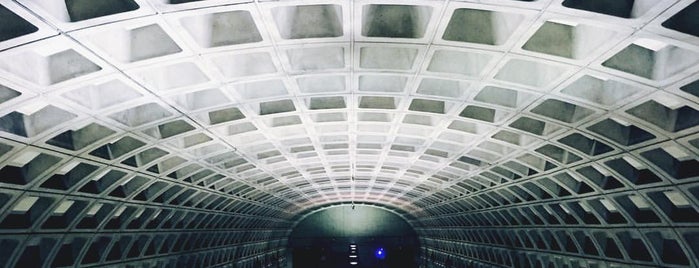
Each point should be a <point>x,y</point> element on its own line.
<point>349,133</point>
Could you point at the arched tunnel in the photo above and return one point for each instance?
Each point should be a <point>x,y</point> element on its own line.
<point>353,235</point>
<point>300,133</point>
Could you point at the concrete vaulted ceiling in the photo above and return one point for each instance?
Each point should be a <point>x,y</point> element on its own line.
<point>556,133</point>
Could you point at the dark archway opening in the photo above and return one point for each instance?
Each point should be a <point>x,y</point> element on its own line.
<point>325,238</point>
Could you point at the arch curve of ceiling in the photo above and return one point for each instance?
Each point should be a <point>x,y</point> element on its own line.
<point>556,117</point>
<point>310,211</point>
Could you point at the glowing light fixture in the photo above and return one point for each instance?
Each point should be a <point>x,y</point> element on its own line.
<point>353,255</point>
<point>380,253</point>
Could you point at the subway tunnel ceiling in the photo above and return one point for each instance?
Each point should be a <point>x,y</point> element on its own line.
<point>487,113</point>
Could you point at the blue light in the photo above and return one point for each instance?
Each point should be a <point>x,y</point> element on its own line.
<point>380,253</point>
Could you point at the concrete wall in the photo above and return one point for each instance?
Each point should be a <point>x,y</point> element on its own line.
<point>322,239</point>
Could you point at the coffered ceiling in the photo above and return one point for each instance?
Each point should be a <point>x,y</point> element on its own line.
<point>452,113</point>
